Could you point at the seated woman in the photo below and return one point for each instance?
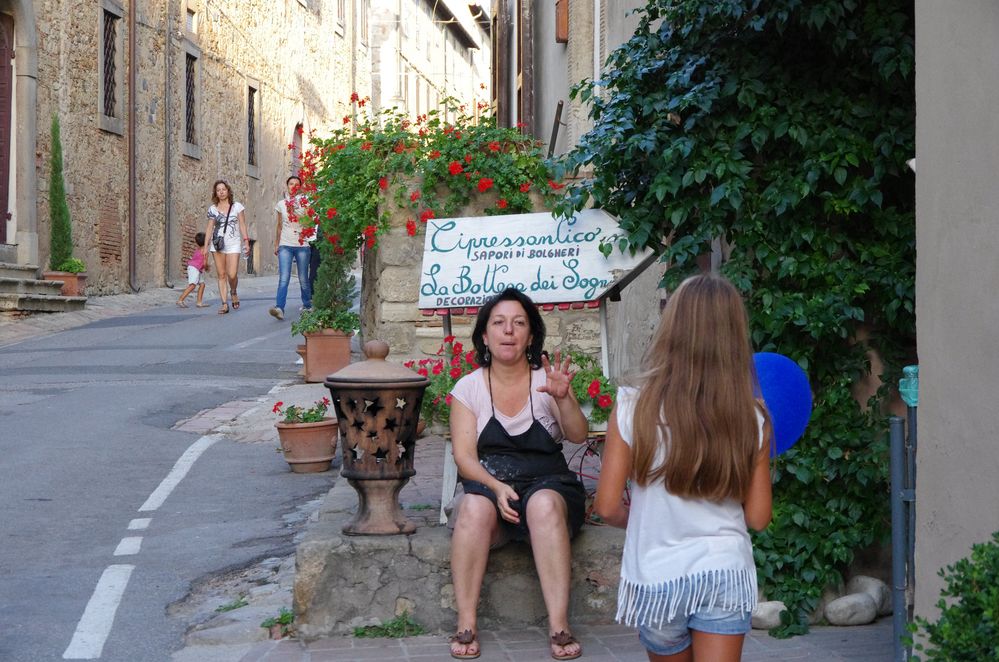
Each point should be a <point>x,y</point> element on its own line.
<point>507,419</point>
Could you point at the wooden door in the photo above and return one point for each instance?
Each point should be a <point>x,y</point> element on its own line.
<point>6,97</point>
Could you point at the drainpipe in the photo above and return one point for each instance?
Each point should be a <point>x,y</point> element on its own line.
<point>596,40</point>
<point>167,180</point>
<point>132,27</point>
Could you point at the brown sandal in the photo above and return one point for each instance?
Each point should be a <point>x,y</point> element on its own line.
<point>223,309</point>
<point>235,301</point>
<point>563,639</point>
<point>465,638</point>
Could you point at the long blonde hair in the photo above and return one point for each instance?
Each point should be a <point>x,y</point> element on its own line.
<point>697,397</point>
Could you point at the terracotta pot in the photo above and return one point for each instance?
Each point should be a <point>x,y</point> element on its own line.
<point>308,447</point>
<point>326,352</point>
<point>73,285</point>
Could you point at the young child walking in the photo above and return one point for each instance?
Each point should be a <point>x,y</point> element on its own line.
<point>695,442</point>
<point>197,265</point>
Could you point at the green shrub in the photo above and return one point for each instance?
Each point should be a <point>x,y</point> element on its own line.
<point>72,265</point>
<point>401,626</point>
<point>968,627</point>
<point>752,124</point>
<point>60,225</point>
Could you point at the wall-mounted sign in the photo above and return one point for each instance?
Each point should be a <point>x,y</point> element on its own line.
<point>468,260</point>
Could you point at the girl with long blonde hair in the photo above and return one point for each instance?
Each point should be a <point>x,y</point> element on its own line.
<point>695,440</point>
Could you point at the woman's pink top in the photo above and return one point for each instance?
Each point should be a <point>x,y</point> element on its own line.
<point>473,392</point>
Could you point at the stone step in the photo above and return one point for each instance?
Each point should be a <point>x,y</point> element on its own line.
<point>43,303</point>
<point>11,270</point>
<point>29,286</point>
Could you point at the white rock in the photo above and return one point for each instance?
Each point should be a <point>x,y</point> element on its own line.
<point>875,588</point>
<point>766,615</point>
<point>853,609</point>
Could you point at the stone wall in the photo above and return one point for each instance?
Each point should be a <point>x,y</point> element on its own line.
<point>303,64</point>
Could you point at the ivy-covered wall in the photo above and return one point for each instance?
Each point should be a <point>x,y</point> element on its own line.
<point>780,131</point>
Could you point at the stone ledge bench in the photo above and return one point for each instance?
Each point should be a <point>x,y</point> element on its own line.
<point>343,582</point>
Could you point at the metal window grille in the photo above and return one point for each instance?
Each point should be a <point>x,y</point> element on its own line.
<point>251,126</point>
<point>110,54</point>
<point>190,134</point>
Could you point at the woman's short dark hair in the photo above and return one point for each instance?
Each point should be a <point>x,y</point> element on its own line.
<point>215,197</point>
<point>534,321</point>
<point>288,181</point>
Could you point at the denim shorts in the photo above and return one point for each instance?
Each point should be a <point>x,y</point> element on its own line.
<point>672,637</point>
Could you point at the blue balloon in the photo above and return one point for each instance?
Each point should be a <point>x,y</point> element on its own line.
<point>788,396</point>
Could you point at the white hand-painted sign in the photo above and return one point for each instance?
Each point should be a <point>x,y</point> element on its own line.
<point>468,260</point>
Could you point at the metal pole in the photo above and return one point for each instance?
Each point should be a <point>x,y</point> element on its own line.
<point>899,538</point>
<point>910,493</point>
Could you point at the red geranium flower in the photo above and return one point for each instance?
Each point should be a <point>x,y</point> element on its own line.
<point>410,227</point>
<point>457,348</point>
<point>414,196</point>
<point>448,339</point>
<point>455,360</point>
<point>455,373</point>
<point>594,388</point>
<point>605,402</point>
<point>277,407</point>
<point>454,168</point>
<point>470,357</point>
<point>346,119</point>
<point>494,146</point>
<point>555,185</point>
<point>422,371</point>
<point>434,154</point>
<point>365,146</point>
<point>447,399</point>
<point>438,367</point>
<point>354,97</point>
<point>485,184</point>
<point>525,187</point>
<point>501,203</point>
<point>426,215</point>
<point>383,183</point>
<point>331,212</point>
<point>468,158</point>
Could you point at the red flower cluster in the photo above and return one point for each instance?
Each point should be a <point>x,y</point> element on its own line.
<point>410,227</point>
<point>454,168</point>
<point>453,364</point>
<point>485,184</point>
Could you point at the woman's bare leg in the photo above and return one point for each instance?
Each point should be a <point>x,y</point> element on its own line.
<point>232,272</point>
<point>474,532</point>
<point>716,647</point>
<point>220,274</point>
<point>548,521</point>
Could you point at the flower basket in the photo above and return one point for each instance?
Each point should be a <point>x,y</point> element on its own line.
<point>308,447</point>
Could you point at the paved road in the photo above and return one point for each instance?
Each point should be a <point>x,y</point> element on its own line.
<point>86,429</point>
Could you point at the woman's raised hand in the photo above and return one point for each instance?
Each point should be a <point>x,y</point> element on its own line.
<point>558,376</point>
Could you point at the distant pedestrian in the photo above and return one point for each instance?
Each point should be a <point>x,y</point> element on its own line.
<point>197,265</point>
<point>695,441</point>
<point>227,229</point>
<point>291,242</point>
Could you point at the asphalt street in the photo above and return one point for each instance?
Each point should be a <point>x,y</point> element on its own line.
<point>86,418</point>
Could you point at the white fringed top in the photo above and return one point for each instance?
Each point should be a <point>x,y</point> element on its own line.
<point>678,551</point>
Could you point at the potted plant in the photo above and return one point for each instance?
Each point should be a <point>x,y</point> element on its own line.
<point>593,390</point>
<point>443,372</point>
<point>308,436</point>
<point>327,332</point>
<point>64,267</point>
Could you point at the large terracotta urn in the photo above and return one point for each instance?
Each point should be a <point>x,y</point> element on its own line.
<point>377,407</point>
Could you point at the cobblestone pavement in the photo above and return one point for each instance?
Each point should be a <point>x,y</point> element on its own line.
<point>605,643</point>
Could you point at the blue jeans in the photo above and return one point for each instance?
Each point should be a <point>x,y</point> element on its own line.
<point>301,255</point>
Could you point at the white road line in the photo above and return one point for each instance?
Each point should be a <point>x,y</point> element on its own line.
<point>128,546</point>
<point>178,472</point>
<point>283,332</point>
<point>139,523</point>
<point>95,624</point>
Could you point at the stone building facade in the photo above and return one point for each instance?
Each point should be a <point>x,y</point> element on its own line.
<point>428,50</point>
<point>217,89</point>
<point>542,50</point>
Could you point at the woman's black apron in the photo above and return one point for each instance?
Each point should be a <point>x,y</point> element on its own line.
<point>528,462</point>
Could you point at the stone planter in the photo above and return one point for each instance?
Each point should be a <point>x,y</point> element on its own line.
<point>308,447</point>
<point>326,352</point>
<point>73,284</point>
